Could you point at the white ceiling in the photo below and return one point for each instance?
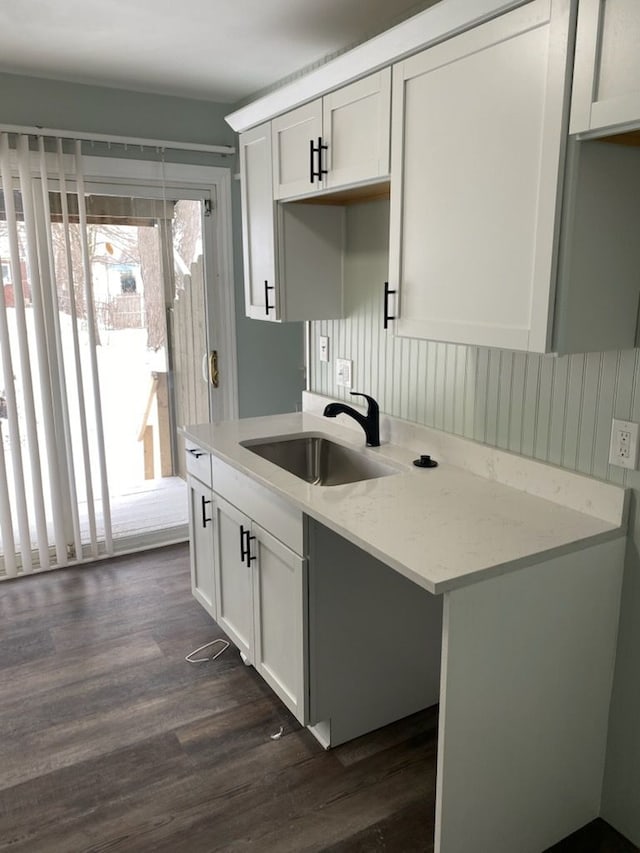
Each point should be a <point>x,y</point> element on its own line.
<point>220,51</point>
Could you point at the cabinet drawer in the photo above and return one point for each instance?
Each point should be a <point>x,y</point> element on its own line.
<point>258,502</point>
<point>198,462</point>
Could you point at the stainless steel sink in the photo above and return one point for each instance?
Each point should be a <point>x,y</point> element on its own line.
<point>319,460</point>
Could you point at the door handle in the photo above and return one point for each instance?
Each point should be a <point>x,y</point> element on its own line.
<point>210,367</point>
<point>214,376</point>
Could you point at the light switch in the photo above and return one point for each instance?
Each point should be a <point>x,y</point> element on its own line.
<point>323,348</point>
<point>344,370</point>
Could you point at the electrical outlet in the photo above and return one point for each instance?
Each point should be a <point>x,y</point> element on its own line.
<point>323,348</point>
<point>623,450</point>
<point>344,371</point>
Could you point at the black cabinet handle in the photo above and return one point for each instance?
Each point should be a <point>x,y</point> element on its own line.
<point>242,551</point>
<point>267,288</point>
<point>245,546</point>
<point>205,520</point>
<point>313,150</point>
<point>195,452</point>
<point>250,559</point>
<point>321,147</point>
<point>385,311</point>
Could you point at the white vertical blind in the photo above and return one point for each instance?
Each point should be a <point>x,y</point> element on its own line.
<point>64,448</point>
<point>41,280</point>
<point>77,362</point>
<point>90,309</point>
<point>16,429</point>
<point>52,409</point>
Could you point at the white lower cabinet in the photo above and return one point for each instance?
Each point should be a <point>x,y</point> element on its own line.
<point>234,587</point>
<point>310,611</point>
<point>279,597</point>
<point>201,544</point>
<point>260,589</point>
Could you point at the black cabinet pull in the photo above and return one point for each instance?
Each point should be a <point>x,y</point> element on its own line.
<point>250,559</point>
<point>242,551</point>
<point>205,520</point>
<point>313,150</point>
<point>312,171</point>
<point>385,311</point>
<point>321,170</point>
<point>195,452</point>
<point>267,288</point>
<point>245,546</point>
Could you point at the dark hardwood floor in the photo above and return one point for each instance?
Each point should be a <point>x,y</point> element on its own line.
<point>110,741</point>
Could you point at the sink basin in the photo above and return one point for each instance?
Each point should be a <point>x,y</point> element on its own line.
<point>319,460</point>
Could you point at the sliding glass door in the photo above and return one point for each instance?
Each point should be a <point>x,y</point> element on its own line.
<point>103,331</point>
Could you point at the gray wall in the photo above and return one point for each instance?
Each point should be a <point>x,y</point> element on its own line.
<point>555,409</point>
<point>270,356</point>
<point>97,109</point>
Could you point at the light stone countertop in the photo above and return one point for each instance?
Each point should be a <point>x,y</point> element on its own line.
<point>441,527</point>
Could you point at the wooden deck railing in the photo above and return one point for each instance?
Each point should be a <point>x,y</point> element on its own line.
<point>158,393</point>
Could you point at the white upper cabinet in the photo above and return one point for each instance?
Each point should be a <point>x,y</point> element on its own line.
<point>334,141</point>
<point>295,137</point>
<point>478,131</point>
<point>356,126</point>
<point>258,224</point>
<point>606,84</point>
<point>293,254</point>
<point>504,231</point>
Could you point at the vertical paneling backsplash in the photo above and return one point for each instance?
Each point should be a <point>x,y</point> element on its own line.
<point>557,409</point>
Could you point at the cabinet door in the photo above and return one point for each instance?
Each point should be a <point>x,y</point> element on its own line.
<point>356,128</point>
<point>234,589</point>
<point>258,225</point>
<point>292,136</point>
<point>606,82</point>
<point>201,538</point>
<point>279,595</point>
<point>477,159</point>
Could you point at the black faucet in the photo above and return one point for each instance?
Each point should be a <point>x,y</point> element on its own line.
<point>370,422</point>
